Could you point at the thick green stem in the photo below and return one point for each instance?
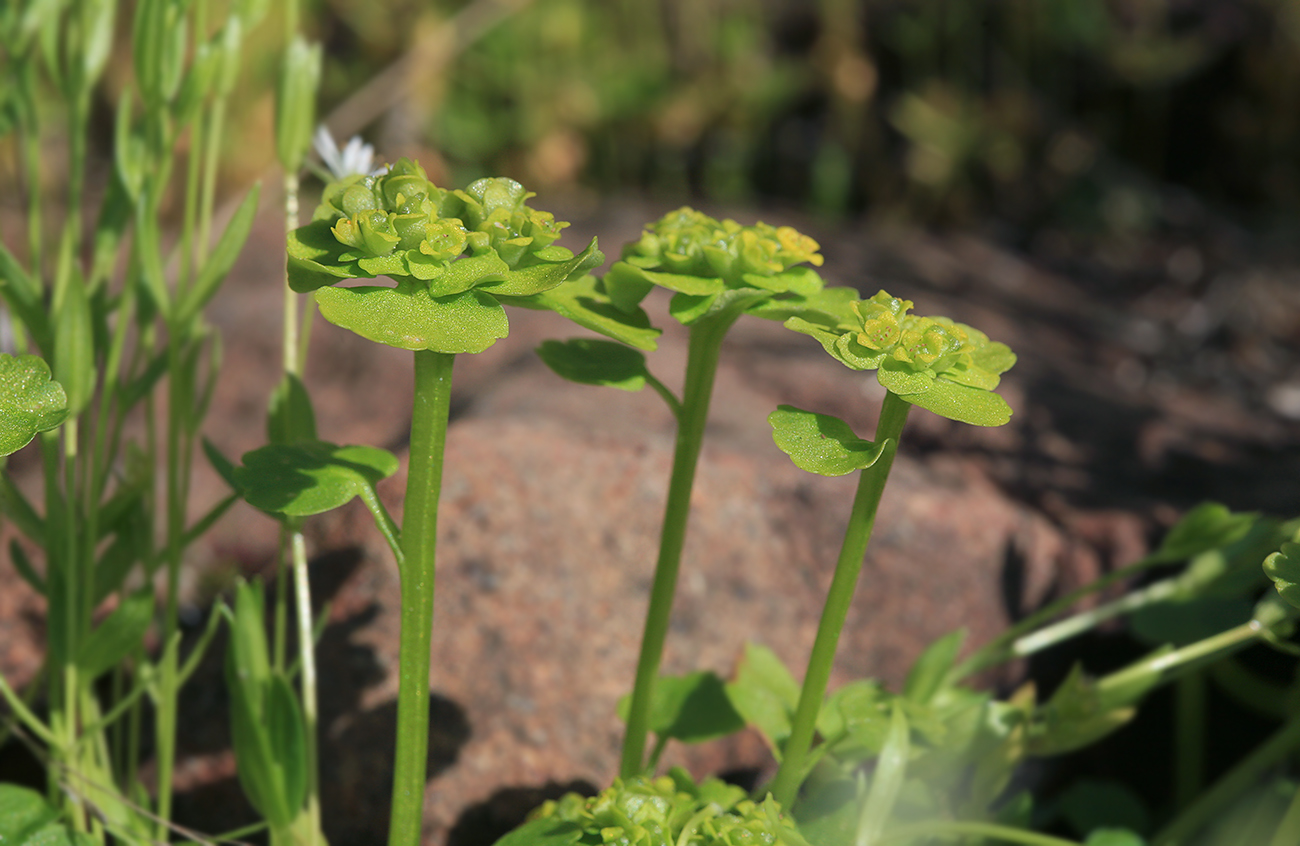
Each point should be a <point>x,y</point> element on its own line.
<point>871,484</point>
<point>701,366</point>
<point>419,539</point>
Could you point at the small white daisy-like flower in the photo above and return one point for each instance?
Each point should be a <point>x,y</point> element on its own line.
<point>356,157</point>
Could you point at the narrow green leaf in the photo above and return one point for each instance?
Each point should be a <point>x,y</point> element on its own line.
<point>543,277</point>
<point>290,418</point>
<point>288,735</point>
<point>117,636</point>
<point>221,260</point>
<point>588,361</point>
<point>19,510</point>
<point>295,102</point>
<point>408,318</point>
<point>886,780</point>
<point>24,296</point>
<point>298,480</point>
<point>927,674</point>
<point>23,565</point>
<point>820,443</point>
<point>224,466</point>
<point>29,401</point>
<point>74,346</point>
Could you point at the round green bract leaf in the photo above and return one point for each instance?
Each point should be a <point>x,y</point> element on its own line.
<point>963,404</point>
<point>30,402</point>
<point>411,319</point>
<point>730,303</point>
<point>820,443</point>
<point>590,361</point>
<point>315,258</point>
<point>1283,567</point>
<point>298,480</point>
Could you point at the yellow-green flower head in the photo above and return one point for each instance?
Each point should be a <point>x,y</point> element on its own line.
<point>671,811</point>
<point>691,243</point>
<point>497,218</point>
<point>934,362</point>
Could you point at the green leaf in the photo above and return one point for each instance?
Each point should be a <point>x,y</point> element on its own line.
<point>298,480</point>
<point>221,260</point>
<point>74,346</point>
<point>290,418</point>
<point>820,443</point>
<point>27,820</point>
<point>688,309</point>
<point>693,708</point>
<point>765,694</point>
<point>681,283</point>
<point>627,286</point>
<point>961,403</point>
<point>1283,567</point>
<point>23,294</point>
<point>286,729</point>
<point>589,361</point>
<point>465,273</point>
<point>117,636</point>
<point>18,509</point>
<point>543,277</point>
<point>927,674</point>
<point>29,401</point>
<point>1091,804</point>
<point>1209,525</point>
<point>313,258</point>
<point>1076,716</point>
<point>1187,621</point>
<point>547,831</point>
<point>23,565</point>
<point>410,319</point>
<point>887,780</point>
<point>224,466</point>
<point>1113,837</point>
<point>587,305</point>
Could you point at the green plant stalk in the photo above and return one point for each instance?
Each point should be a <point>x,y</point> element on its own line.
<point>701,367</point>
<point>419,542</point>
<point>307,656</point>
<point>1180,661</point>
<point>1236,781</point>
<point>871,485</point>
<point>289,351</point>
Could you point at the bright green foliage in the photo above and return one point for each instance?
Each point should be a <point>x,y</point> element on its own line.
<point>820,443</point>
<point>934,362</point>
<point>29,401</point>
<point>301,479</point>
<point>399,224</point>
<point>671,810</point>
<point>1283,567</point>
<point>723,267</point>
<point>26,820</point>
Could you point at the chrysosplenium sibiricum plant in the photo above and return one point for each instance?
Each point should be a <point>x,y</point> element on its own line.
<point>456,256</point>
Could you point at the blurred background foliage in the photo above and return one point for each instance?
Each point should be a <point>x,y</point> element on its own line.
<point>1091,115</point>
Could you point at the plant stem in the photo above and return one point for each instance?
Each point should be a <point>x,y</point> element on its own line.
<point>701,367</point>
<point>307,655</point>
<point>419,540</point>
<point>954,830</point>
<point>871,484</point>
<point>1288,831</point>
<point>1236,781</point>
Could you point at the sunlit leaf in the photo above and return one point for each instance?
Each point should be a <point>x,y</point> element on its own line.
<point>408,318</point>
<point>820,443</point>
<point>590,361</point>
<point>298,480</point>
<point>29,401</point>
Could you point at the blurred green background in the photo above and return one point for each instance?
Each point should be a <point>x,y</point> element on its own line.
<point>1105,116</point>
<point>1083,113</point>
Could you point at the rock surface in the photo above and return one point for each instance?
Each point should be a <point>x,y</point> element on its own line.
<point>552,500</point>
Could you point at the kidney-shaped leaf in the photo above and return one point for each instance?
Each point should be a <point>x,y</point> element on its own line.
<point>691,708</point>
<point>298,480</point>
<point>820,443</point>
<point>958,402</point>
<point>1283,567</point>
<point>29,401</point>
<point>765,694</point>
<point>408,318</point>
<point>590,361</point>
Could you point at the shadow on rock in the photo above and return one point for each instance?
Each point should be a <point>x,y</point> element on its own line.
<point>488,821</point>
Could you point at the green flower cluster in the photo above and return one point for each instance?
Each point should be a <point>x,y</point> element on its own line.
<point>672,810</point>
<point>455,255</point>
<point>718,264</point>
<point>934,362</point>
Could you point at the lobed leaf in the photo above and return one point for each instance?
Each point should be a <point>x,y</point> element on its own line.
<point>820,443</point>
<point>30,402</point>
<point>1283,567</point>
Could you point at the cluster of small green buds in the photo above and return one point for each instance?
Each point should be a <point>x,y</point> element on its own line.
<point>673,811</point>
<point>455,254</point>
<point>699,257</point>
<point>934,362</point>
<point>692,243</point>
